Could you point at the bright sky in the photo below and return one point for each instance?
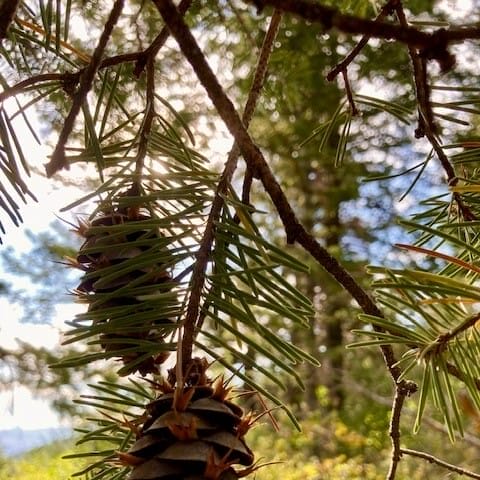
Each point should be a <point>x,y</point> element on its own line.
<point>18,408</point>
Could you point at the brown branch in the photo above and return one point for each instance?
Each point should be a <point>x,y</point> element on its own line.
<point>422,89</point>
<point>295,232</point>
<point>255,89</point>
<point>342,66</point>
<point>29,82</point>
<point>453,370</point>
<point>246,187</point>
<point>58,160</point>
<point>192,319</point>
<point>153,49</point>
<point>426,420</point>
<point>462,327</point>
<point>426,123</point>
<point>184,354</point>
<point>402,390</point>
<point>72,79</point>
<point>147,121</point>
<point>441,463</point>
<point>432,45</point>
<point>348,90</point>
<point>449,170</point>
<point>422,46</point>
<point>8,9</point>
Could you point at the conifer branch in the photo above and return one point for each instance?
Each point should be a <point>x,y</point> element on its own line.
<point>71,79</point>
<point>295,232</point>
<point>426,123</point>
<point>433,46</point>
<point>255,89</point>
<point>470,322</point>
<point>8,9</point>
<point>31,81</point>
<point>193,319</point>
<point>348,90</point>
<point>422,90</point>
<point>402,390</point>
<point>159,41</point>
<point>386,10</point>
<point>453,370</point>
<point>434,460</point>
<point>147,121</point>
<point>58,160</point>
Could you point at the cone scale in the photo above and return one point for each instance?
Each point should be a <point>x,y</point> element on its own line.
<point>192,433</point>
<point>116,259</point>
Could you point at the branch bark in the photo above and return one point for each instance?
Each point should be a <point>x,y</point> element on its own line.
<point>58,160</point>
<point>431,459</point>
<point>295,232</point>
<point>403,390</point>
<point>432,45</point>
<point>192,318</point>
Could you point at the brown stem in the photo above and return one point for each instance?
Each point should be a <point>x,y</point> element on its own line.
<point>35,79</point>
<point>402,390</point>
<point>8,9</point>
<point>422,89</point>
<point>247,186</point>
<point>192,319</point>
<point>255,89</point>
<point>258,165</point>
<point>348,90</point>
<point>158,42</point>
<point>434,460</point>
<point>342,66</point>
<point>426,123</point>
<point>453,370</point>
<point>72,79</point>
<point>58,160</point>
<point>147,121</point>
<point>462,327</point>
<point>449,170</point>
<point>432,45</point>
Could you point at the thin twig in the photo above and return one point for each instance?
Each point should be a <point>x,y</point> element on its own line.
<point>348,90</point>
<point>247,186</point>
<point>29,82</point>
<point>342,66</point>
<point>58,160</point>
<point>453,370</point>
<point>8,9</point>
<point>433,45</point>
<point>203,255</point>
<point>449,170</point>
<point>140,57</point>
<point>147,121</point>
<point>153,49</point>
<point>426,420</point>
<point>422,89</point>
<point>461,327</point>
<point>255,89</point>
<point>295,232</point>
<point>402,390</point>
<point>426,123</point>
<point>441,463</point>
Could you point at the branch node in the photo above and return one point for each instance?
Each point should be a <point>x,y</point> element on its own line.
<point>438,50</point>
